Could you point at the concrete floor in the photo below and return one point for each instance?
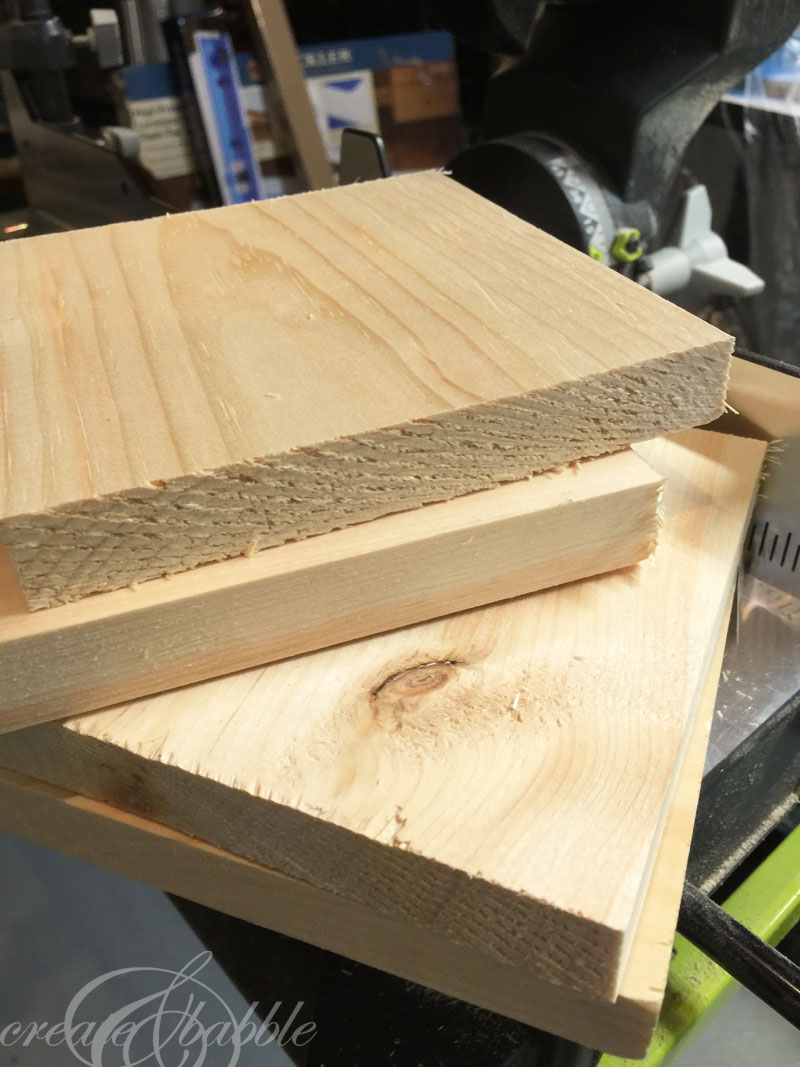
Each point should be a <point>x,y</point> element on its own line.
<point>746,1033</point>
<point>63,924</point>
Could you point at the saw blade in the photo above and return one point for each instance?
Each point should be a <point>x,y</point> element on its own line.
<point>773,545</point>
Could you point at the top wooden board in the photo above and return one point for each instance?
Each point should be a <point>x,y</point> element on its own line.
<point>188,388</point>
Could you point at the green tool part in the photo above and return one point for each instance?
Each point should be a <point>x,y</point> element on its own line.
<point>768,904</point>
<point>626,247</point>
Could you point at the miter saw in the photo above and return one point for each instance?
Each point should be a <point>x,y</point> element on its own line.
<point>589,116</point>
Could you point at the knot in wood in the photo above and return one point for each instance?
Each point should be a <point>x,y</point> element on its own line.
<point>416,681</point>
<point>402,695</point>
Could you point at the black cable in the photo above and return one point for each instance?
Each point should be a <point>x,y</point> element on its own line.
<point>758,966</point>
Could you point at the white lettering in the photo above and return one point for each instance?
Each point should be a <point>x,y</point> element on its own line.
<point>170,1014</point>
<point>13,1029</point>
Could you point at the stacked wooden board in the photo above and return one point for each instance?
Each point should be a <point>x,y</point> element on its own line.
<point>394,571</point>
<point>149,852</point>
<point>492,785</point>
<point>459,775</point>
<point>195,387</point>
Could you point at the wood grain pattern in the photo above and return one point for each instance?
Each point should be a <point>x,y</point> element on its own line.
<point>151,853</point>
<point>500,776</point>
<point>185,389</point>
<point>397,570</point>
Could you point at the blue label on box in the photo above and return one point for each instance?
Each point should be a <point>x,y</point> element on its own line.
<point>366,53</point>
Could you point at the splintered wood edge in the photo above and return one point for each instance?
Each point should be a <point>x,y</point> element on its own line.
<point>176,863</point>
<point>80,548</point>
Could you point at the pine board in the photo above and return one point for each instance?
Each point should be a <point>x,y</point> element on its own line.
<point>500,777</point>
<point>149,852</point>
<point>189,388</point>
<point>294,598</point>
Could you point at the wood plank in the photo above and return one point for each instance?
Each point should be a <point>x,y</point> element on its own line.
<point>276,49</point>
<point>500,776</point>
<point>189,388</point>
<point>149,852</point>
<point>376,576</point>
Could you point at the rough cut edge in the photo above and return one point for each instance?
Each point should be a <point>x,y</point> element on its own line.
<point>114,541</point>
<point>512,927</point>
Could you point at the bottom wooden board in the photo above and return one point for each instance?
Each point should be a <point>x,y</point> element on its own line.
<point>499,777</point>
<point>148,852</point>
<point>397,570</point>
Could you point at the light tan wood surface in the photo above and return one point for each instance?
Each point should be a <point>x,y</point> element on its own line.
<point>401,569</point>
<point>151,853</point>
<point>189,388</point>
<point>500,776</point>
